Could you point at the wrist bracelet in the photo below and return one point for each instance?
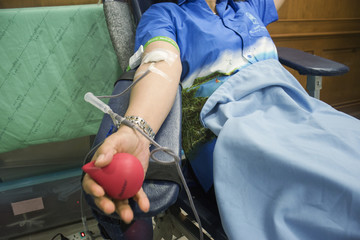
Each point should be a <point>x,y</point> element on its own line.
<point>142,125</point>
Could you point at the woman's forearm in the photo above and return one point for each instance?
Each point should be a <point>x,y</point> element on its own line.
<point>153,96</point>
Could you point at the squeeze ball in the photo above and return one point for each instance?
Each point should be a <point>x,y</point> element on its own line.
<point>121,179</point>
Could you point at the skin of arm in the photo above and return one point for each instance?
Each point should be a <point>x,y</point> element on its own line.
<point>151,99</point>
<point>278,3</point>
<point>212,4</point>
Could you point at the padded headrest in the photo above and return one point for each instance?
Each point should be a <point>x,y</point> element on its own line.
<point>121,29</point>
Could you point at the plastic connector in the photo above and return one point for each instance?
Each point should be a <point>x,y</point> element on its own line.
<point>135,59</point>
<point>96,102</point>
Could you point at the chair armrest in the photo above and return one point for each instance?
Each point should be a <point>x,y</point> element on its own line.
<point>308,64</point>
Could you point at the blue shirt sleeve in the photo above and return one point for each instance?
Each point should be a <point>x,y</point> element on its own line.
<point>156,21</point>
<point>266,10</point>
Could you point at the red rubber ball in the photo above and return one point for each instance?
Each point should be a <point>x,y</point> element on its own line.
<point>121,179</point>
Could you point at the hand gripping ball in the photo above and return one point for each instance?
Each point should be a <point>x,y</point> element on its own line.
<point>121,179</point>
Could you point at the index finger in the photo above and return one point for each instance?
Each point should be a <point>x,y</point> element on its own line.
<point>91,187</point>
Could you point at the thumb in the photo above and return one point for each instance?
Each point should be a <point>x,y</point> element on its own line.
<point>104,159</point>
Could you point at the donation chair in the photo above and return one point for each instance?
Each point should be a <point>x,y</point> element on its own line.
<point>169,203</point>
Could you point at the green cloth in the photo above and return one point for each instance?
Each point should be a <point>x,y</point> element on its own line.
<point>194,134</point>
<point>49,58</point>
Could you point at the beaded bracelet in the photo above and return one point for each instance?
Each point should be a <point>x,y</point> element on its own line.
<point>142,124</point>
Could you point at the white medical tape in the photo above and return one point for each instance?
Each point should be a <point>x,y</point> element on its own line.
<point>152,69</point>
<point>158,55</point>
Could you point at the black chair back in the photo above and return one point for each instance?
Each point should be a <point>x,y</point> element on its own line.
<point>140,6</point>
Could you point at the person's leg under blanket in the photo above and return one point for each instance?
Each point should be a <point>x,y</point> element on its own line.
<point>286,166</point>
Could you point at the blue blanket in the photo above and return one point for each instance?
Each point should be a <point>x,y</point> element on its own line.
<point>286,165</point>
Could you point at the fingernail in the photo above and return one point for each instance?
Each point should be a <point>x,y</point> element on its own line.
<point>100,158</point>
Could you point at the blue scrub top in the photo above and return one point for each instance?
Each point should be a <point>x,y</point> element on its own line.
<point>209,43</point>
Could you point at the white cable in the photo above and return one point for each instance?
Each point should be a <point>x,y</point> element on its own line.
<point>128,88</point>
